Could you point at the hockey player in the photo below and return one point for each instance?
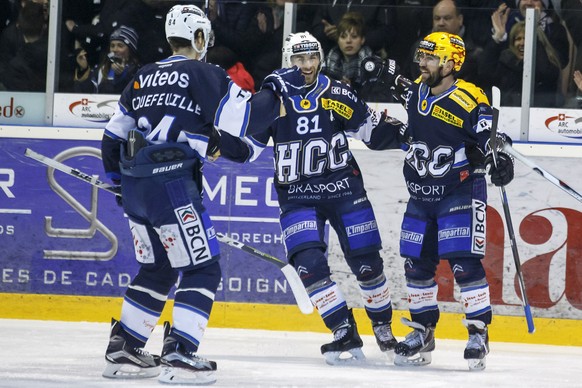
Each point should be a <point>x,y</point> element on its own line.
<point>449,126</point>
<point>318,180</point>
<point>155,146</point>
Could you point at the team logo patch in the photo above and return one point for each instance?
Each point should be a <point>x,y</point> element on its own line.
<point>187,215</point>
<point>423,105</point>
<point>413,237</point>
<point>299,227</point>
<point>342,109</point>
<point>479,218</point>
<point>305,104</point>
<point>446,116</point>
<point>194,234</point>
<point>365,227</point>
<point>461,99</point>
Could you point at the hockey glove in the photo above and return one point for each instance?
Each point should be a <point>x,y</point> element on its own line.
<point>376,69</point>
<point>501,174</point>
<point>213,149</point>
<point>285,82</point>
<point>501,140</point>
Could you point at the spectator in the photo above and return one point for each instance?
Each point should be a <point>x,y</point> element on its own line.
<point>477,18</point>
<point>236,26</point>
<point>447,17</point>
<point>270,58</point>
<point>227,59</point>
<point>413,21</point>
<point>504,67</point>
<point>343,62</point>
<point>12,37</point>
<point>379,17</point>
<point>550,25</point>
<point>117,68</point>
<point>572,16</point>
<point>26,69</point>
<point>7,15</point>
<point>113,14</point>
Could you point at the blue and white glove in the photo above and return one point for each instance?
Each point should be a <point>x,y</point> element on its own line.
<point>285,82</point>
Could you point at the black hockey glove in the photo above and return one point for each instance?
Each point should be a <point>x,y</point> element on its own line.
<point>376,69</point>
<point>213,149</point>
<point>501,174</point>
<point>285,82</point>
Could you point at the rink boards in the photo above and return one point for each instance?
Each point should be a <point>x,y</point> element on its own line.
<point>67,252</point>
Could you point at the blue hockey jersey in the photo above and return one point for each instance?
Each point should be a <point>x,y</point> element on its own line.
<point>448,136</point>
<point>313,162</point>
<point>178,100</point>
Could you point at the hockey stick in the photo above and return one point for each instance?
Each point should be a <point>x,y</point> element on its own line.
<point>493,145</point>
<point>293,279</point>
<point>72,171</point>
<point>554,180</point>
<point>301,296</point>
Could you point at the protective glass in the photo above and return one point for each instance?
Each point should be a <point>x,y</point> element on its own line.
<point>428,58</point>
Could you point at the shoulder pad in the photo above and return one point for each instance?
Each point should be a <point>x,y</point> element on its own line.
<point>468,96</point>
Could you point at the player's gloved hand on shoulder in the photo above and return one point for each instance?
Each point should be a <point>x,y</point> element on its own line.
<point>501,174</point>
<point>376,69</point>
<point>285,82</point>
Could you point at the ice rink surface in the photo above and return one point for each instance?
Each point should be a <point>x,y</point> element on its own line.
<point>52,354</point>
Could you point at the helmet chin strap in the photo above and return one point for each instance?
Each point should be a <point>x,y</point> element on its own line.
<point>440,78</point>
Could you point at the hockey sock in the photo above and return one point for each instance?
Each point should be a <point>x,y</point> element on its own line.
<point>140,312</point>
<point>193,303</point>
<point>329,301</point>
<point>475,301</point>
<point>377,301</point>
<point>422,302</point>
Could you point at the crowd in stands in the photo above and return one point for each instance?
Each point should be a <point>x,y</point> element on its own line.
<point>103,42</point>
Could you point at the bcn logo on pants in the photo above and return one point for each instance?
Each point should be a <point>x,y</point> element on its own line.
<point>194,233</point>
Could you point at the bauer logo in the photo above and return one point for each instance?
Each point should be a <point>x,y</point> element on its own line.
<point>564,125</point>
<point>94,111</point>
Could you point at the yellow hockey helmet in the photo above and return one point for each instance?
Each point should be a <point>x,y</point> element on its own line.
<point>446,46</point>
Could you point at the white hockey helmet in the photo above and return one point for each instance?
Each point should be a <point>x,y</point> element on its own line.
<point>182,21</point>
<point>301,43</point>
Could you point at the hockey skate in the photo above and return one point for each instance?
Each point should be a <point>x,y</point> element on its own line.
<point>345,340</point>
<point>419,343</point>
<point>478,344</point>
<point>125,362</point>
<point>384,338</point>
<point>182,367</point>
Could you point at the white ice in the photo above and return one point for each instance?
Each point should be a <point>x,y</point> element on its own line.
<point>53,354</point>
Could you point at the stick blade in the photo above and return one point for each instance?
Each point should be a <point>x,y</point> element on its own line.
<point>298,289</point>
